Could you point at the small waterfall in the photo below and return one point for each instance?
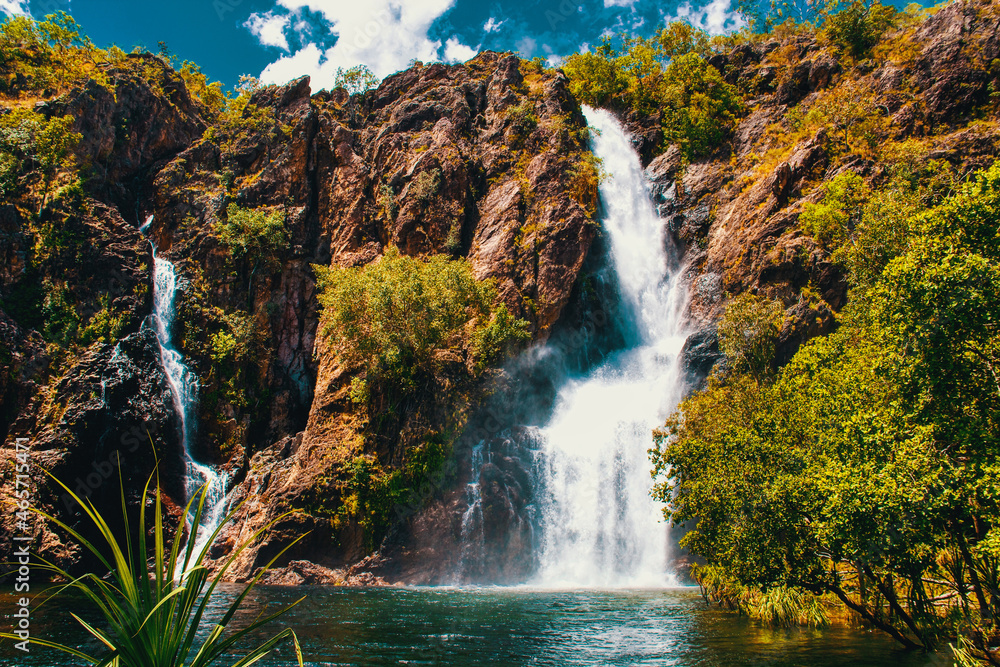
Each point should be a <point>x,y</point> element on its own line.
<point>184,390</point>
<point>599,526</point>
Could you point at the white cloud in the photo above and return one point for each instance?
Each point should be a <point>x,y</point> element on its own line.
<point>526,46</point>
<point>269,28</point>
<point>14,7</point>
<point>618,3</point>
<point>385,35</point>
<point>456,52</point>
<point>493,25</point>
<point>716,18</point>
<point>304,61</point>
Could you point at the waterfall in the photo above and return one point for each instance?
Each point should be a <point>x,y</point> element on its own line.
<point>184,391</point>
<point>599,525</point>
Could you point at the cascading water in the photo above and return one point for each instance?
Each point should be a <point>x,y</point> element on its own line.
<point>184,390</point>
<point>599,526</point>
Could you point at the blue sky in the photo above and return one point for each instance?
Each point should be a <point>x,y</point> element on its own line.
<point>279,40</point>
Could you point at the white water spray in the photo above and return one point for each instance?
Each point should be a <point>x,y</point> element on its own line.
<point>600,527</point>
<point>184,390</point>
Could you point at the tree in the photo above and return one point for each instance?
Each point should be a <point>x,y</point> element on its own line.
<point>867,468</point>
<point>355,79</point>
<point>30,139</point>
<point>253,238</point>
<point>666,74</point>
<point>835,217</point>
<point>748,333</point>
<point>699,107</point>
<point>391,317</point>
<point>859,25</point>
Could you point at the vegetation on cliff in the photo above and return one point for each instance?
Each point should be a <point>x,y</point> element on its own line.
<point>696,106</point>
<point>399,315</point>
<point>866,469</point>
<point>854,474</point>
<point>406,323</point>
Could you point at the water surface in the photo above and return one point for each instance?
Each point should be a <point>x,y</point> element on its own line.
<point>504,626</point>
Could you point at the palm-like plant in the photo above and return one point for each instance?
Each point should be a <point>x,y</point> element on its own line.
<point>155,607</point>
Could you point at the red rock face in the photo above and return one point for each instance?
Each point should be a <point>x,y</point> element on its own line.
<point>474,160</point>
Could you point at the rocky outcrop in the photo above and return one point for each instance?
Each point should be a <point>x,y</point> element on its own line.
<point>736,212</point>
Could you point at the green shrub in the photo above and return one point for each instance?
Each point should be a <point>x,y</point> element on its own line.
<point>680,38</point>
<point>699,107</point>
<point>859,26</point>
<point>667,74</point>
<point>390,317</point>
<point>239,119</point>
<point>523,120</point>
<point>105,326</point>
<point>834,218</point>
<point>254,239</point>
<point>29,140</point>
<point>59,313</point>
<point>425,185</point>
<point>595,78</point>
<point>208,93</point>
<point>355,79</point>
<point>45,56</point>
<point>155,600</point>
<point>584,179</point>
<point>748,333</point>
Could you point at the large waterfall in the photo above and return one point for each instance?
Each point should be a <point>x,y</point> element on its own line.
<point>598,524</point>
<point>184,390</point>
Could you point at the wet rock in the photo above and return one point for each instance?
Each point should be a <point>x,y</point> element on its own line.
<point>700,355</point>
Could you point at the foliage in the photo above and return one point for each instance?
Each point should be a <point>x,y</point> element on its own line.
<point>848,115</point>
<point>699,107</point>
<point>522,119</point>
<point>29,140</point>
<point>106,325</point>
<point>390,317</point>
<point>778,606</point>
<point>40,56</point>
<point>253,238</point>
<point>208,93</point>
<point>239,119</point>
<point>425,185</point>
<point>355,79</point>
<point>666,74</point>
<point>834,219</point>
<point>748,333</point>
<point>154,601</point>
<point>858,27</point>
<point>371,494</point>
<point>867,228</point>
<point>59,313</point>
<point>867,468</point>
<point>680,38</point>
<point>585,176</point>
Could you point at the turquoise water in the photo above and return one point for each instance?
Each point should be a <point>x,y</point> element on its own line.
<point>502,626</point>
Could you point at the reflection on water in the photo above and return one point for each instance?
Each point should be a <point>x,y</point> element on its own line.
<point>504,626</point>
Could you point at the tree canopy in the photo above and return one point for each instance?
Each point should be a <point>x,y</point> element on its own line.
<point>869,468</point>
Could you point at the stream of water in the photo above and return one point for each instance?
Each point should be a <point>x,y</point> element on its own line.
<point>184,390</point>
